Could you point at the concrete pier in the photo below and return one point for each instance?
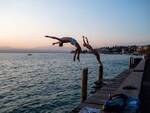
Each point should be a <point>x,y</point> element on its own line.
<point>128,82</point>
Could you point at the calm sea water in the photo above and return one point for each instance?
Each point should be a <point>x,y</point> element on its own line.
<point>48,83</point>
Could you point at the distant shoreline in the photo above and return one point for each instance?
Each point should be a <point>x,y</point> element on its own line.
<point>37,52</point>
<point>67,53</point>
<point>128,50</point>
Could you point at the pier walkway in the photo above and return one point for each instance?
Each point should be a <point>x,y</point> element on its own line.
<point>127,82</point>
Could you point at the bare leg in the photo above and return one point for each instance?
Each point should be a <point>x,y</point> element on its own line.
<point>74,58</point>
<point>98,59</point>
<point>78,52</point>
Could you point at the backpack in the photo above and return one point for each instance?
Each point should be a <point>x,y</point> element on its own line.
<point>116,103</point>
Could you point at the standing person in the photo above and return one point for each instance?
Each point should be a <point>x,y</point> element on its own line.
<point>94,51</point>
<point>68,40</point>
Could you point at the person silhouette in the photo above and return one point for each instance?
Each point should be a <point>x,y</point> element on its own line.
<point>70,40</point>
<point>94,51</point>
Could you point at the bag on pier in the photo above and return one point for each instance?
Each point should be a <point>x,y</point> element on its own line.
<point>121,103</point>
<point>115,103</point>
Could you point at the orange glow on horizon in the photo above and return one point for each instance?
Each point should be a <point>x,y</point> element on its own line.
<point>34,43</point>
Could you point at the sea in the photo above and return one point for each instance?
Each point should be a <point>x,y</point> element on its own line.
<point>49,82</point>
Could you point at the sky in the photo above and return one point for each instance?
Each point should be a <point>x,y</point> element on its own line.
<point>24,23</point>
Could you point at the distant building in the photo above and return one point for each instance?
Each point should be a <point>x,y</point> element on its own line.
<point>136,50</point>
<point>143,49</point>
<point>104,50</point>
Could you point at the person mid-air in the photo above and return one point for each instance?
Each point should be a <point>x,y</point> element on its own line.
<point>94,51</point>
<point>68,40</point>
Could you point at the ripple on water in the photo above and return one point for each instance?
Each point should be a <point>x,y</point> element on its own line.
<point>48,83</point>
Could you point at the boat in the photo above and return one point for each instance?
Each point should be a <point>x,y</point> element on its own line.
<point>29,54</point>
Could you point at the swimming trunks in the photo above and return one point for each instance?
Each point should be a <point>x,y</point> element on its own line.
<point>73,41</point>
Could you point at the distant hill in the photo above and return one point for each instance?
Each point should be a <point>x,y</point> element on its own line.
<point>34,50</point>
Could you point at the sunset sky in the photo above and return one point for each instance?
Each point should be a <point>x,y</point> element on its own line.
<point>23,23</point>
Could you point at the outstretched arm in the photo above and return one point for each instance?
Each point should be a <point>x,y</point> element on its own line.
<point>55,43</point>
<point>53,37</point>
<point>87,40</point>
<point>84,43</point>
